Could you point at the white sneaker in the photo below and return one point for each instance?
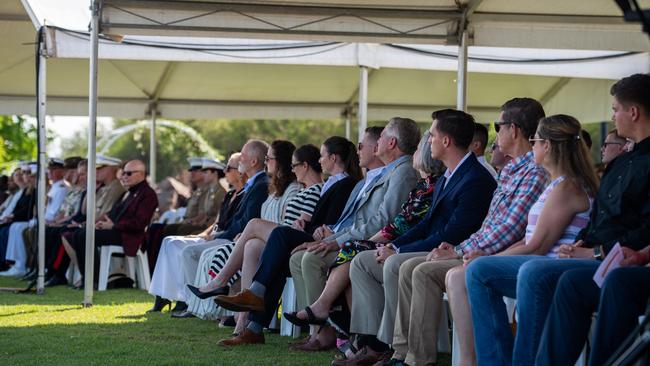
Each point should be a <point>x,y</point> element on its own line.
<point>14,272</point>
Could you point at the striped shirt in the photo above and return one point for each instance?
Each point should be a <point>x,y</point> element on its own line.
<point>520,184</point>
<point>579,221</point>
<point>304,202</point>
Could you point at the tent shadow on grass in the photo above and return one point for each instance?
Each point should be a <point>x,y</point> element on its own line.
<point>55,329</point>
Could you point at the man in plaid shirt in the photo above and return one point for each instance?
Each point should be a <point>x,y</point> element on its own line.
<point>422,279</point>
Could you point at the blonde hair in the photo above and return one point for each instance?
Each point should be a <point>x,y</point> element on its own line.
<point>568,149</point>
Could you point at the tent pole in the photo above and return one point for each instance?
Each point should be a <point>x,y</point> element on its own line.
<point>461,92</point>
<point>348,124</point>
<point>92,136</point>
<point>42,79</point>
<point>363,100</point>
<point>152,147</point>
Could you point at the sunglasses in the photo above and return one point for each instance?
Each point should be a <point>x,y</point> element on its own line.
<point>497,125</point>
<point>129,173</point>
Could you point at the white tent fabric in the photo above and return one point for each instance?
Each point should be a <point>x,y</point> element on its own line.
<point>227,78</point>
<point>575,24</point>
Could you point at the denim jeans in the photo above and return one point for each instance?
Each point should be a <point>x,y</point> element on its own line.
<point>623,298</point>
<point>528,278</point>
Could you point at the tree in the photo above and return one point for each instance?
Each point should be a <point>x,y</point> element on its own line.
<point>18,141</point>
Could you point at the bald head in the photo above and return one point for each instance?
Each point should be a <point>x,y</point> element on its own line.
<point>252,157</point>
<point>133,173</point>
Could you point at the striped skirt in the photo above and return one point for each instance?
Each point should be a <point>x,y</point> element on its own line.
<point>210,264</point>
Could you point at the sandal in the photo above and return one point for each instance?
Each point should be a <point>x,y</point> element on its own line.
<point>311,318</point>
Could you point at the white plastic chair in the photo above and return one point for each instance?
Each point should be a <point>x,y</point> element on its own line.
<point>289,304</point>
<point>136,267</point>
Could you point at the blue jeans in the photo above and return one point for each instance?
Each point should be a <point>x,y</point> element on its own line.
<point>622,299</point>
<point>528,278</point>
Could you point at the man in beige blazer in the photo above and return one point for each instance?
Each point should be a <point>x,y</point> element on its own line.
<point>377,203</point>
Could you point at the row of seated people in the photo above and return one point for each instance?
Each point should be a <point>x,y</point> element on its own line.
<point>373,256</point>
<point>124,206</point>
<point>18,233</point>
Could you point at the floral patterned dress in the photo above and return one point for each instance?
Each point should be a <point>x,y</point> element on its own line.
<point>413,210</point>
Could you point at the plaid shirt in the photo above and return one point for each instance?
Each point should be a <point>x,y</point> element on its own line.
<point>521,182</point>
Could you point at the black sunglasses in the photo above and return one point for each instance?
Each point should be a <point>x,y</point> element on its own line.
<point>497,125</point>
<point>131,172</point>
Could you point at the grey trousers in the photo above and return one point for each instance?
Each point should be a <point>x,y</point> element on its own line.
<point>309,272</point>
<point>421,288</point>
<point>374,293</point>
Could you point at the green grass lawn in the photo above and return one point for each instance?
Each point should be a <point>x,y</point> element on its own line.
<point>54,329</point>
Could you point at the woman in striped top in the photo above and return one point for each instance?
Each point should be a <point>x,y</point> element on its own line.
<point>561,211</point>
<point>245,252</point>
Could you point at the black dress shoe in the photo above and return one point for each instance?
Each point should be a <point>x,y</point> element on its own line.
<point>223,290</point>
<point>28,276</point>
<point>159,304</point>
<point>179,307</point>
<point>182,314</point>
<point>56,281</point>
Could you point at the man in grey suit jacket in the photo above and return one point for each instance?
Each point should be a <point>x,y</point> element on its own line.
<point>373,203</point>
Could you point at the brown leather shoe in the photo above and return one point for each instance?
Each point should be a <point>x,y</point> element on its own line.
<point>243,301</point>
<point>247,337</point>
<point>314,346</point>
<point>299,342</point>
<point>365,357</point>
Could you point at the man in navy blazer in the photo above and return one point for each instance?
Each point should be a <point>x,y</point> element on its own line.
<point>459,205</point>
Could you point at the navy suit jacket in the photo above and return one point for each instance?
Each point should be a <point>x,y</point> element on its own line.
<point>456,212</point>
<point>249,208</point>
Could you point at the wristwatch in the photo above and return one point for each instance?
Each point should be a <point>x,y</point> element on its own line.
<point>598,252</point>
<point>459,251</point>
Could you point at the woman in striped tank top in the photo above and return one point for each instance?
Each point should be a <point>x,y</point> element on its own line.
<point>561,211</point>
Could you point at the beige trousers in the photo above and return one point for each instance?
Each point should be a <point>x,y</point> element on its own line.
<point>421,288</point>
<point>374,293</point>
<point>309,272</point>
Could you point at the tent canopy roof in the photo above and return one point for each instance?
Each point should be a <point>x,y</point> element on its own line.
<point>251,78</point>
<point>557,24</point>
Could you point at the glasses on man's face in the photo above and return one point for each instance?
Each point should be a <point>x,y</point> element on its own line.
<point>267,158</point>
<point>498,124</point>
<point>605,144</point>
<point>229,168</point>
<point>129,173</point>
<point>293,166</point>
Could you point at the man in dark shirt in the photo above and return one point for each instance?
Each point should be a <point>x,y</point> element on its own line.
<point>620,214</point>
<point>126,222</point>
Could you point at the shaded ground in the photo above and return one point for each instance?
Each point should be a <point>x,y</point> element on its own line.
<point>54,329</point>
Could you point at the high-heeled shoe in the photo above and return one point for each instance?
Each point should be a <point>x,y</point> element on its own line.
<point>159,305</point>
<point>223,290</point>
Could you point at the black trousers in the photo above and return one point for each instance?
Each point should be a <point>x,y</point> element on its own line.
<point>273,269</point>
<point>102,237</point>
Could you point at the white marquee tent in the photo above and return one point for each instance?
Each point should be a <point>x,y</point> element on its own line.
<point>319,59</point>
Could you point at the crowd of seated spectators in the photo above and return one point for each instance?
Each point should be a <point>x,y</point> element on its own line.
<point>375,235</point>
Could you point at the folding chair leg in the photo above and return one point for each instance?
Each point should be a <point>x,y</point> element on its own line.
<point>104,266</point>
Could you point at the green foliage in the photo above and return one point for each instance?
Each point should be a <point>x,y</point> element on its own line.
<point>18,141</point>
<point>230,135</point>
